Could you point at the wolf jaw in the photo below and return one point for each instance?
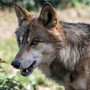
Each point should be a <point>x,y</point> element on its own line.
<point>27,71</point>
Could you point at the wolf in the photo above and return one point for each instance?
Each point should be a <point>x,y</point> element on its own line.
<point>61,50</point>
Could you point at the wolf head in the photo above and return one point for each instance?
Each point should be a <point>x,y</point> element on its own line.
<point>35,38</point>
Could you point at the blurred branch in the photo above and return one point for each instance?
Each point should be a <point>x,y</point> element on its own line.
<point>7,83</point>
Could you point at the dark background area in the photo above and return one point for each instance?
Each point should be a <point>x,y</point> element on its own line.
<point>35,4</point>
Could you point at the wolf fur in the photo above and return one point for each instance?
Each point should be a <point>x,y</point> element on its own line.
<point>60,49</point>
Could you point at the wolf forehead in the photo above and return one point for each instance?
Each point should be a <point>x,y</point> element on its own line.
<point>33,29</point>
<point>24,27</point>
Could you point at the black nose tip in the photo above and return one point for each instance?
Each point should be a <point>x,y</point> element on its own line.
<point>15,64</point>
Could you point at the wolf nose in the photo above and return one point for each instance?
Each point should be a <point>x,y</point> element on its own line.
<point>15,64</point>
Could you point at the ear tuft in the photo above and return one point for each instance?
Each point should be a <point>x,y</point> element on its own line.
<point>48,15</point>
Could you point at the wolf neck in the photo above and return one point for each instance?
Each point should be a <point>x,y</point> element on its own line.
<point>73,47</point>
<point>70,44</point>
<point>69,51</point>
<point>70,56</point>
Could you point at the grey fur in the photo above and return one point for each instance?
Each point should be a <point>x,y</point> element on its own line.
<point>77,38</point>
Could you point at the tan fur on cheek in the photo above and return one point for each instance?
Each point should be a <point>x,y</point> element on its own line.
<point>47,51</point>
<point>45,48</point>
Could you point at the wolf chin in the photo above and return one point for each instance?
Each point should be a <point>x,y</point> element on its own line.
<point>60,49</point>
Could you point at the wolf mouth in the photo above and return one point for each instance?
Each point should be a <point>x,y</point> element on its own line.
<point>27,71</point>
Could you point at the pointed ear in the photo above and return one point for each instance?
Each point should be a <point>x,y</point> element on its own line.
<point>22,14</point>
<point>48,15</point>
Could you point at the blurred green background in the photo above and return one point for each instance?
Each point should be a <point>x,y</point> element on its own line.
<point>10,78</point>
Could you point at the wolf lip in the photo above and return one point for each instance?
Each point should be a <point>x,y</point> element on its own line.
<point>27,71</point>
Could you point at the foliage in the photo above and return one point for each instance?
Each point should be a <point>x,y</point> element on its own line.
<point>35,4</point>
<point>7,83</point>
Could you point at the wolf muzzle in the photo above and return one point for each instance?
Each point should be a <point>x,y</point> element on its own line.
<point>15,64</point>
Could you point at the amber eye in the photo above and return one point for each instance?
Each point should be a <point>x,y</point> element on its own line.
<point>34,42</point>
<point>20,39</point>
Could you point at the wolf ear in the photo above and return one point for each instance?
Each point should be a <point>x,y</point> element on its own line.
<point>48,15</point>
<point>22,14</point>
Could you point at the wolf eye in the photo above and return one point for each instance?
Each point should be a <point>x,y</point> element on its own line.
<point>20,39</point>
<point>34,42</point>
